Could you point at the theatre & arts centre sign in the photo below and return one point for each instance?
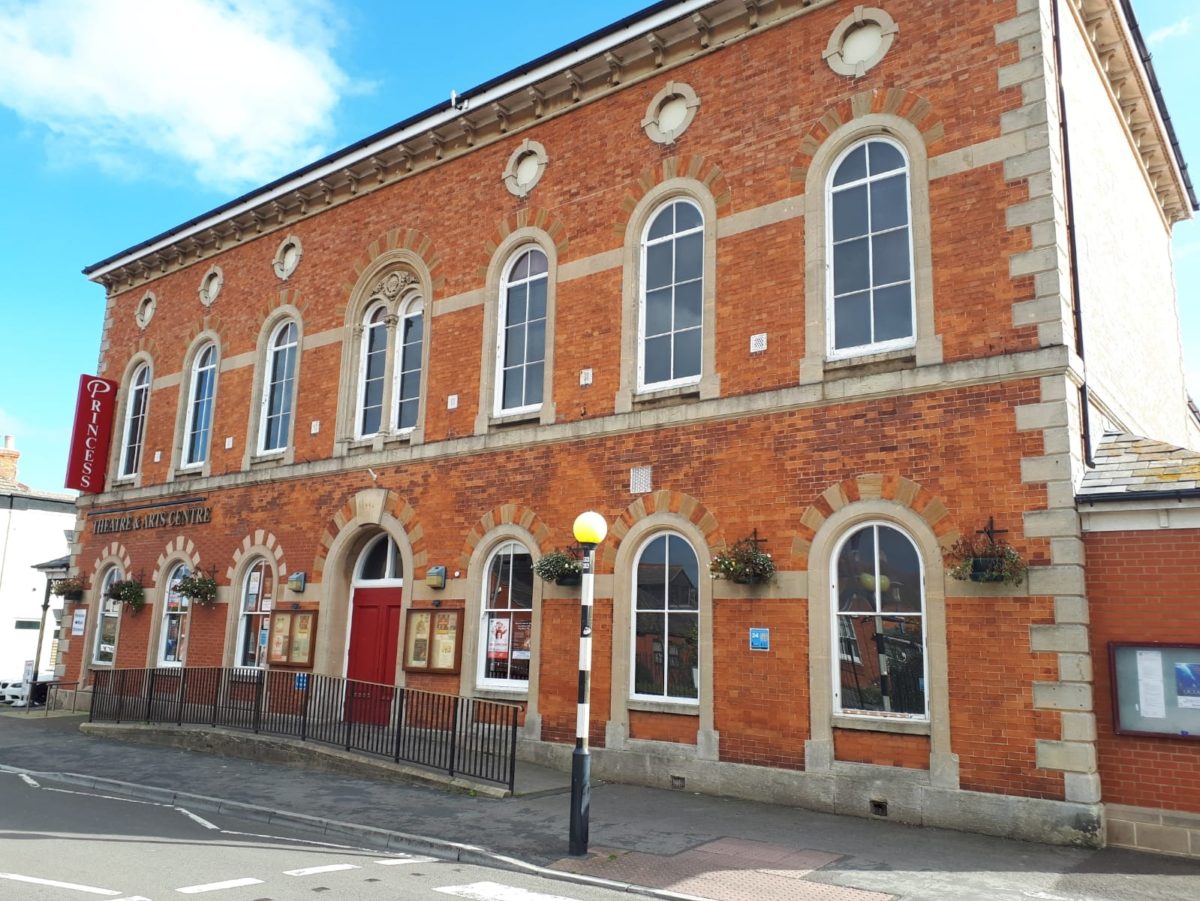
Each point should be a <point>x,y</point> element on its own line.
<point>151,519</point>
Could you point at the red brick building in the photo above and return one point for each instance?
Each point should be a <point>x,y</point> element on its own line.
<point>816,273</point>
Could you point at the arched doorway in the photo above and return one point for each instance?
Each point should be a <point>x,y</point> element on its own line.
<point>378,593</point>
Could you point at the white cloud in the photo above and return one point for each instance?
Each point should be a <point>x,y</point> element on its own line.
<point>238,91</point>
<point>1174,30</point>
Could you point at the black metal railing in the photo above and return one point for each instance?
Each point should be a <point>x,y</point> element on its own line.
<point>457,735</point>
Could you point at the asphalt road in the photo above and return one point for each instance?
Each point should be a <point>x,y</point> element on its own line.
<point>58,842</point>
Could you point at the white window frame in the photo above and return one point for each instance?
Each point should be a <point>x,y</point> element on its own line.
<point>664,698</point>
<point>275,347</point>
<point>644,245</point>
<point>511,547</point>
<point>412,307</point>
<point>111,575</point>
<point>836,659</point>
<point>263,566</point>
<point>134,431</point>
<point>197,403</point>
<point>375,309</point>
<point>182,614</point>
<point>394,566</point>
<point>498,407</point>
<point>831,350</point>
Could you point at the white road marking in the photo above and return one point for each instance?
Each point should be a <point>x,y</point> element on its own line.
<point>198,819</point>
<point>134,898</point>
<point>88,889</point>
<point>218,886</point>
<point>398,861</point>
<point>29,780</point>
<point>494,891</point>
<point>67,791</point>
<point>299,841</point>
<point>327,868</point>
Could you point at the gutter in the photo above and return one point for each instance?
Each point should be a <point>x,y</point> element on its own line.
<point>1178,494</point>
<point>525,75</point>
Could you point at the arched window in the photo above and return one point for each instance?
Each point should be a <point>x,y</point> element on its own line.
<point>408,369</point>
<point>258,595</point>
<point>879,626</point>
<point>108,620</point>
<point>278,389</point>
<point>200,407</point>
<point>870,251</point>
<point>172,645</point>
<point>506,620</point>
<point>135,421</point>
<point>521,336</point>
<point>666,620</point>
<point>372,369</point>
<point>671,308</point>
<point>379,562</point>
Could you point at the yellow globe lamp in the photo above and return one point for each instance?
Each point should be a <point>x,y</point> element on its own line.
<point>590,528</point>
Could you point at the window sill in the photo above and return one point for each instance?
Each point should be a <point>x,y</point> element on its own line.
<point>881,724</point>
<point>679,708</point>
<point>501,694</point>
<point>192,472</point>
<point>507,419</point>
<point>269,460</point>
<point>662,396</point>
<point>868,363</point>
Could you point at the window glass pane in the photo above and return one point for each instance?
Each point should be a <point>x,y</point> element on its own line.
<point>514,311</point>
<point>687,217</point>
<point>514,345</point>
<point>513,389</point>
<point>521,269</point>
<point>688,305</point>
<point>689,257</point>
<point>893,312</point>
<point>683,661</point>
<point>649,654</point>
<point>658,359</point>
<point>537,299</point>
<point>658,312</point>
<point>537,262</point>
<point>890,257</point>
<point>687,354</point>
<point>410,384</point>
<point>373,394</point>
<point>659,261</point>
<point>535,341</point>
<point>852,320</point>
<point>663,224</point>
<point>414,328</point>
<point>884,157</point>
<point>856,571</point>
<point>533,383</point>
<point>521,596</point>
<point>374,565</point>
<point>900,566</point>
<point>408,414</point>
<point>851,266</point>
<point>889,202</point>
<point>683,573</point>
<point>850,213</point>
<point>650,590</point>
<point>853,167</point>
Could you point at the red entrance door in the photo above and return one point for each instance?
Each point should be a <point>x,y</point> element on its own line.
<point>374,638</point>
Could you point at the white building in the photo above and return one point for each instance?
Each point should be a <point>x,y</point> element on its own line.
<point>34,527</point>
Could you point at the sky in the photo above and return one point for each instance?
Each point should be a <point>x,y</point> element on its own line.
<point>120,119</point>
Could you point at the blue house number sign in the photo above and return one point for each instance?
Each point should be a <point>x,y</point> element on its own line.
<point>760,639</point>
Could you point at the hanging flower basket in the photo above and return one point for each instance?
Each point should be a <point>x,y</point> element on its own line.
<point>200,588</point>
<point>70,588</point>
<point>129,592</point>
<point>744,563</point>
<point>559,567</point>
<point>983,559</point>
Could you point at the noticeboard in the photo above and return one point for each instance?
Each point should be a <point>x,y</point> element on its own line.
<point>1155,689</point>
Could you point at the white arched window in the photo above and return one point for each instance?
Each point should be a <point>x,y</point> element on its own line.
<point>671,306</point>
<point>198,427</point>
<point>506,618</point>
<point>172,644</point>
<point>278,388</point>
<point>108,620</point>
<point>666,620</point>
<point>878,588</point>
<point>870,251</point>
<point>408,365</point>
<point>372,370</point>
<point>258,596</point>
<point>380,562</point>
<point>521,336</point>
<point>134,432</point>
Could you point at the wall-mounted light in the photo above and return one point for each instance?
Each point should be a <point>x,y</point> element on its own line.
<point>295,583</point>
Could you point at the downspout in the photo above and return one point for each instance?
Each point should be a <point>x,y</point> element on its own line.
<point>1072,246</point>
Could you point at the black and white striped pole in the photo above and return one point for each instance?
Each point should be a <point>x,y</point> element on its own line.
<point>590,529</point>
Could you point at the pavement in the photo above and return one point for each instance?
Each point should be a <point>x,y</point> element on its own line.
<point>662,843</point>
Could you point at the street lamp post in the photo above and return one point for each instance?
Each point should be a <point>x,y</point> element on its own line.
<point>589,529</point>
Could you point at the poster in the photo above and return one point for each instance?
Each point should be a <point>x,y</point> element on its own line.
<point>279,637</point>
<point>1151,696</point>
<point>1187,685</point>
<point>255,582</point>
<point>522,636</point>
<point>301,638</point>
<point>499,636</point>
<point>445,640</point>
<point>417,652</point>
<point>78,621</point>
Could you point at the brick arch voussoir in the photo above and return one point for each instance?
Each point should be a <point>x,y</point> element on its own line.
<point>506,514</point>
<point>180,546</point>
<point>261,538</point>
<point>396,506</point>
<point>282,298</point>
<point>117,550</point>
<point>693,166</point>
<point>396,238</point>
<point>931,507</point>
<point>662,502</point>
<point>896,101</point>
<point>527,217</point>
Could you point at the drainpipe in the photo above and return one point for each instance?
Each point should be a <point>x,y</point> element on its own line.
<point>1072,244</point>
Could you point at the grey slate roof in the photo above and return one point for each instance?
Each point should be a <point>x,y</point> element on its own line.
<point>1130,464</point>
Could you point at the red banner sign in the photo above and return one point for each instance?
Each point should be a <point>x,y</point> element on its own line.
<point>90,438</point>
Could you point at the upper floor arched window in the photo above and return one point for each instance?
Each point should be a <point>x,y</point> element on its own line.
<point>278,390</point>
<point>372,370</point>
<point>870,253</point>
<point>198,427</point>
<point>671,308</point>
<point>134,433</point>
<point>521,335</point>
<point>666,620</point>
<point>408,364</point>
